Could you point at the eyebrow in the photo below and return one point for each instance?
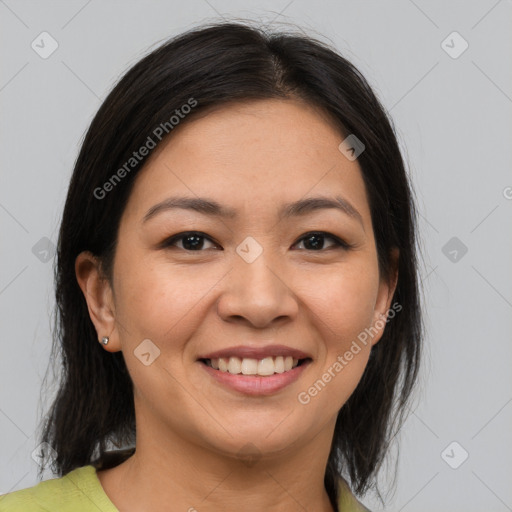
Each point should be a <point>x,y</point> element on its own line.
<point>298,208</point>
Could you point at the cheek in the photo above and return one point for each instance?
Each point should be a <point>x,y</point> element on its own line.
<point>345,304</point>
<point>346,311</point>
<point>343,307</point>
<point>348,314</point>
<point>158,302</point>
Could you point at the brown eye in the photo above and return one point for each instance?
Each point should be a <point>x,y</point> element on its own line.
<point>190,241</point>
<point>316,241</point>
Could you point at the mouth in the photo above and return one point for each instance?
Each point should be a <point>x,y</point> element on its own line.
<point>253,367</point>
<point>255,371</point>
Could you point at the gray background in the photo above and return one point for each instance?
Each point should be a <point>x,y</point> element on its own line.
<point>453,117</point>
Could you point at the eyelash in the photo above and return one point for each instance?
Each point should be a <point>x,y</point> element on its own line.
<point>339,243</point>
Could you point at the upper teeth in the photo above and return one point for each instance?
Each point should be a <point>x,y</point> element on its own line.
<point>247,366</point>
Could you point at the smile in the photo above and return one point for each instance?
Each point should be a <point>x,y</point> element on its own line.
<point>255,370</point>
<point>255,377</point>
<point>253,367</point>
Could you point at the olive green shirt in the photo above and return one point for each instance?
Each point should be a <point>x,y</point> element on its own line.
<point>80,491</point>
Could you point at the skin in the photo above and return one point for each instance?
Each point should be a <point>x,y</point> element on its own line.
<point>252,157</point>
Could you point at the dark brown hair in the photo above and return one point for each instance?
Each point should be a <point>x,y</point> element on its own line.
<point>217,64</point>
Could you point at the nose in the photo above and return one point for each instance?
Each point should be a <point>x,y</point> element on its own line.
<point>257,294</point>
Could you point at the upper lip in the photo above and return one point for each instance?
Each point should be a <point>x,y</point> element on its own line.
<point>257,352</point>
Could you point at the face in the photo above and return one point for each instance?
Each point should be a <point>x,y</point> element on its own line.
<point>248,283</point>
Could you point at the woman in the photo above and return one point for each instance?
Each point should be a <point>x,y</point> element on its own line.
<point>237,286</point>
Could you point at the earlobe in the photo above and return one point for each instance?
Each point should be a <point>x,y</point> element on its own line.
<point>98,295</point>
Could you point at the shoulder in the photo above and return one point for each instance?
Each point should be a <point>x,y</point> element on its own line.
<point>78,491</point>
<point>347,502</point>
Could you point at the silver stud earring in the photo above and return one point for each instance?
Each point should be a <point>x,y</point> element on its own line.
<point>104,340</point>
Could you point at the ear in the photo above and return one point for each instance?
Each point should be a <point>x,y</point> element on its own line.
<point>385,294</point>
<point>99,297</point>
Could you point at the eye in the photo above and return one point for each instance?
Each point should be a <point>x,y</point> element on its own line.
<point>315,241</point>
<point>195,241</point>
<point>191,241</point>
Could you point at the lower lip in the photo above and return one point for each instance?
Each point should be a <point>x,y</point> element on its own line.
<point>255,385</point>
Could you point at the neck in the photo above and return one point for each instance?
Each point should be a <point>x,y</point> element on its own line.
<point>194,478</point>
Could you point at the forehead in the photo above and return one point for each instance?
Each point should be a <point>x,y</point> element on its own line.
<point>252,156</point>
